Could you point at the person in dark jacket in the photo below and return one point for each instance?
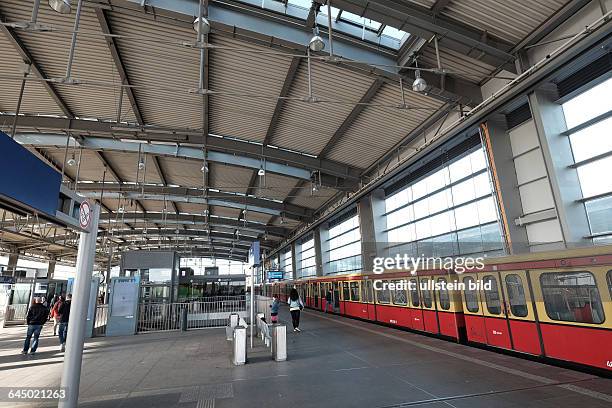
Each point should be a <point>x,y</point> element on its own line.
<point>36,318</point>
<point>64,315</point>
<point>329,307</point>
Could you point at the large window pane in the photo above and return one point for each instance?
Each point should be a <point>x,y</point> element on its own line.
<point>600,215</point>
<point>572,297</point>
<point>591,179</point>
<point>588,105</point>
<point>592,141</point>
<point>492,295</point>
<point>516,295</point>
<point>471,296</point>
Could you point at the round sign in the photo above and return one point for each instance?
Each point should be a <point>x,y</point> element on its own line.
<point>85,215</point>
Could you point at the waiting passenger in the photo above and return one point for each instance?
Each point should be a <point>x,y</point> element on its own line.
<point>54,313</point>
<point>274,309</point>
<point>295,306</point>
<point>36,318</point>
<point>328,302</point>
<point>64,313</point>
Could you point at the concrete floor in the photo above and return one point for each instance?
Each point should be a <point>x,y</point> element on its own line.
<point>334,362</point>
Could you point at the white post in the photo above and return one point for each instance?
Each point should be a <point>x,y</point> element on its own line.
<point>73,357</point>
<point>252,301</point>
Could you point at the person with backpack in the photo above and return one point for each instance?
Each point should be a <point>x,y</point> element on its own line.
<point>64,316</point>
<point>274,309</point>
<point>36,318</point>
<point>54,314</point>
<point>295,307</point>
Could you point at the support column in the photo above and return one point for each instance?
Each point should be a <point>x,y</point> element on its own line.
<point>323,249</point>
<point>71,371</point>
<point>51,270</point>
<point>550,123</point>
<point>368,234</point>
<point>379,222</point>
<point>317,248</point>
<point>293,262</point>
<point>501,160</point>
<point>12,264</point>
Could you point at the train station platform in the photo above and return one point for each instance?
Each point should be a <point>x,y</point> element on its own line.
<point>333,362</point>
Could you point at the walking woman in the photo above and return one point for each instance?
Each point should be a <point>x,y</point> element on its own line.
<point>295,306</point>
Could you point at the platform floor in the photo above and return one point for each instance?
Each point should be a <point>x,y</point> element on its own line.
<point>334,362</point>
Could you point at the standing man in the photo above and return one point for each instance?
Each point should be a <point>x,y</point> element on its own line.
<point>36,318</point>
<point>329,307</point>
<point>64,311</point>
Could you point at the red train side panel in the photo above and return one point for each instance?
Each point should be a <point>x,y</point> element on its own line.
<point>579,344</point>
<point>398,316</point>
<point>475,328</point>
<point>450,323</point>
<point>525,336</point>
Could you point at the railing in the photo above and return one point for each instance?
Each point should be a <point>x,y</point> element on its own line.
<point>15,314</point>
<point>101,319</point>
<point>167,316</point>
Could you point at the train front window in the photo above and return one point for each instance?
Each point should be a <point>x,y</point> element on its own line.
<point>414,293</point>
<point>516,295</point>
<point>383,294</point>
<point>572,297</point>
<point>492,295</point>
<point>355,291</point>
<point>443,295</point>
<point>399,296</point>
<point>471,297</point>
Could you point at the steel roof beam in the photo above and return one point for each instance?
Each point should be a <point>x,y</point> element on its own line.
<point>162,177</point>
<point>112,46</point>
<point>350,119</point>
<point>38,71</point>
<point>224,150</point>
<point>188,194</point>
<point>424,23</point>
<point>189,219</point>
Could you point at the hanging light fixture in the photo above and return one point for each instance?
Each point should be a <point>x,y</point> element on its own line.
<point>419,84</point>
<point>141,164</point>
<point>261,172</point>
<point>61,6</point>
<point>204,168</point>
<point>71,161</point>
<point>316,43</point>
<point>120,210</point>
<point>205,25</point>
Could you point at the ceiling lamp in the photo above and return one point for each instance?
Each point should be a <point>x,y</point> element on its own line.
<point>121,210</point>
<point>61,6</point>
<point>204,168</point>
<point>316,43</point>
<point>71,161</point>
<point>141,164</point>
<point>261,172</point>
<point>419,84</point>
<point>205,25</point>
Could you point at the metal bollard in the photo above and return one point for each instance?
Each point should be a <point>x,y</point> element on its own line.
<point>184,320</point>
<point>239,346</point>
<point>279,342</point>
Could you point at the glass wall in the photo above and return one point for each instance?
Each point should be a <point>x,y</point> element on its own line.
<point>306,255</point>
<point>450,212</point>
<point>344,247</point>
<point>286,263</point>
<point>589,119</point>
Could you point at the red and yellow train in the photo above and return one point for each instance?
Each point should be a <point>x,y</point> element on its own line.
<point>555,305</point>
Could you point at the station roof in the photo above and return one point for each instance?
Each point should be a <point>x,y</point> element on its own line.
<point>172,166</point>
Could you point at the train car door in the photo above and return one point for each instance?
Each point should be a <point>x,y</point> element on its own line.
<point>345,296</point>
<point>428,303</point>
<point>316,294</point>
<point>416,313</point>
<point>520,313</point>
<point>336,296</point>
<point>497,328</point>
<point>472,310</point>
<point>368,298</point>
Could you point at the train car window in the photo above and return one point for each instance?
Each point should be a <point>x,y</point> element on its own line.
<point>426,293</point>
<point>516,295</point>
<point>471,297</point>
<point>345,291</point>
<point>444,296</point>
<point>414,293</point>
<point>383,294</point>
<point>609,277</point>
<point>572,297</point>
<point>364,290</point>
<point>399,296</point>
<point>355,291</point>
<point>492,295</point>
<point>369,291</point>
